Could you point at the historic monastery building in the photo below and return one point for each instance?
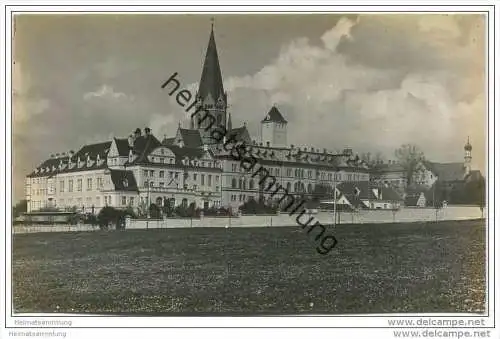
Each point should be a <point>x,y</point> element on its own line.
<point>140,169</point>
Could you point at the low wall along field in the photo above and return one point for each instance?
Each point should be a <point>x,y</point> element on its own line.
<point>326,218</point>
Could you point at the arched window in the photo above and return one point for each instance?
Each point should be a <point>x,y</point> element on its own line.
<point>309,188</point>
<point>240,183</point>
<point>251,184</point>
<point>244,184</point>
<point>219,120</point>
<point>233,183</point>
<point>289,187</point>
<point>295,187</point>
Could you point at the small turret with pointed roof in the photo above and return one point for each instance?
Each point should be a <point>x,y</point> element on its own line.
<point>274,115</point>
<point>274,128</point>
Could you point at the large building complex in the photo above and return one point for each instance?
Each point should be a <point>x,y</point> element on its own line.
<point>191,166</point>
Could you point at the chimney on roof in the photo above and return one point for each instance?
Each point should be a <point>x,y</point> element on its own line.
<point>52,156</point>
<point>347,151</point>
<point>268,144</point>
<point>147,131</point>
<point>137,132</point>
<point>131,141</point>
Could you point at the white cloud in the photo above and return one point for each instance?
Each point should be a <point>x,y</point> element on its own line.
<point>331,101</point>
<point>104,92</point>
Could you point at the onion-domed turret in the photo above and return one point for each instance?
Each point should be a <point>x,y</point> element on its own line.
<point>468,146</point>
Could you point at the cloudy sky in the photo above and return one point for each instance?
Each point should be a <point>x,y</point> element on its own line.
<point>371,82</point>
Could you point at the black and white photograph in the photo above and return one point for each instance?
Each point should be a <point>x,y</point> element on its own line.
<point>191,168</point>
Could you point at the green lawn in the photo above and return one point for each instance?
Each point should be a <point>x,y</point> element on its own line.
<point>419,267</point>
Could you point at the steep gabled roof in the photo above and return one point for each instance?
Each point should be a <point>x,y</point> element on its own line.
<point>453,171</point>
<point>190,152</point>
<point>474,175</point>
<point>123,180</point>
<point>191,137</point>
<point>385,168</point>
<point>122,146</point>
<point>240,133</point>
<point>211,76</point>
<point>94,149</point>
<point>389,193</point>
<point>363,190</point>
<point>350,190</point>
<point>168,141</point>
<point>274,116</point>
<point>412,199</point>
<point>48,163</point>
<point>143,145</point>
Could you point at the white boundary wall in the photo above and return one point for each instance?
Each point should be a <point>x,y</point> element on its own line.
<point>362,217</point>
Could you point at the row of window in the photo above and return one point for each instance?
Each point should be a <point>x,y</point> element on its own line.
<point>297,186</point>
<point>82,202</point>
<point>38,180</point>
<point>163,160</point>
<point>240,197</point>
<point>242,184</point>
<point>71,187</point>
<point>203,182</point>
<point>302,173</point>
<point>161,174</point>
<point>99,184</point>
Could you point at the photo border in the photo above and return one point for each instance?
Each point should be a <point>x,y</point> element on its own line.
<point>490,163</point>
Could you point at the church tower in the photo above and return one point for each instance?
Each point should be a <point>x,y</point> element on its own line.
<point>467,156</point>
<point>211,95</point>
<point>273,129</point>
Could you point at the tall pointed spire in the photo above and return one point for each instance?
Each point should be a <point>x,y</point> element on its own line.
<point>211,76</point>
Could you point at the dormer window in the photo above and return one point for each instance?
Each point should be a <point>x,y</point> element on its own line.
<point>357,191</point>
<point>125,183</point>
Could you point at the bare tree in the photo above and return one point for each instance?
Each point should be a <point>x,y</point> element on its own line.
<point>410,157</point>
